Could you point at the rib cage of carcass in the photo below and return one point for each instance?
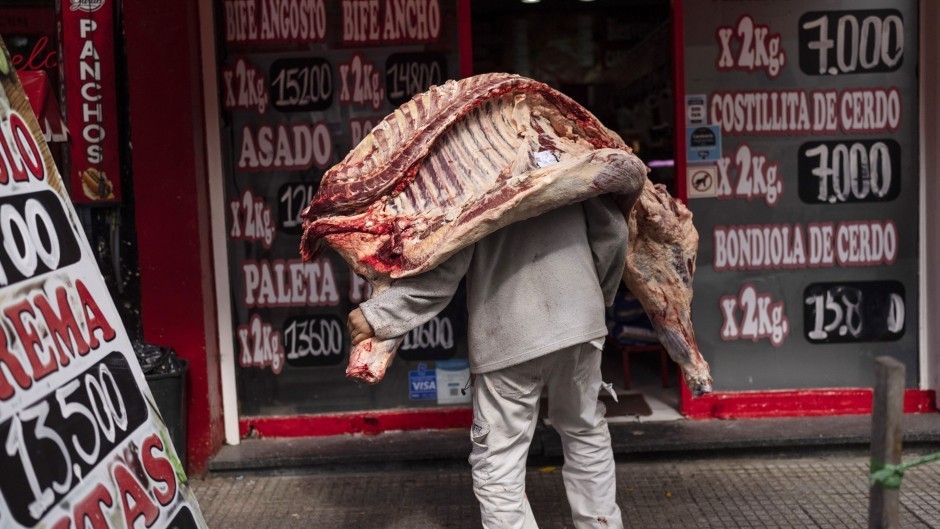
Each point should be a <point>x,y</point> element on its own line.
<point>466,158</point>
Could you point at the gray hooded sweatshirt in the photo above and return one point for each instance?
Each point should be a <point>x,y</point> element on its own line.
<point>533,287</point>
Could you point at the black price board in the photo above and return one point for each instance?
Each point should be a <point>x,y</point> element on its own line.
<point>183,520</point>
<point>36,237</point>
<point>851,42</point>
<point>315,340</point>
<point>808,261</point>
<point>293,108</point>
<point>292,199</point>
<point>440,338</point>
<point>301,84</point>
<point>866,311</point>
<point>435,340</point>
<point>407,74</point>
<point>843,172</point>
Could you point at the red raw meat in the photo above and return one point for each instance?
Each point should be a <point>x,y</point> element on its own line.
<point>471,156</point>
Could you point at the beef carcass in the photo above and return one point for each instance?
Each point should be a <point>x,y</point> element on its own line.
<point>457,163</point>
<point>660,264</point>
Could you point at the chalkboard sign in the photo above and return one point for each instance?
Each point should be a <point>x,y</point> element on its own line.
<point>809,243</point>
<point>293,106</point>
<point>80,433</point>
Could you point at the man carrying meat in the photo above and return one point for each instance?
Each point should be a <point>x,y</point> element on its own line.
<point>536,292</point>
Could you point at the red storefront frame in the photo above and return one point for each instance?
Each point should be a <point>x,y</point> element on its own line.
<point>756,404</point>
<point>722,405</point>
<point>172,191</point>
<point>172,203</point>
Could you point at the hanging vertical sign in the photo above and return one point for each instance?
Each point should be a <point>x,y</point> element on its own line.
<point>91,100</point>
<point>81,439</point>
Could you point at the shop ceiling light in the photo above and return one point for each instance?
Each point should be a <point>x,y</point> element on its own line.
<point>531,1</point>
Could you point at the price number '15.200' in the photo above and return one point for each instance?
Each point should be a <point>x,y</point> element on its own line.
<point>303,84</point>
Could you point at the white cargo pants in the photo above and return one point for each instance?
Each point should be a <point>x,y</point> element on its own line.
<point>505,412</point>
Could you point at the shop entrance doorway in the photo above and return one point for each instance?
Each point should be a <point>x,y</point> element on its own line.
<point>615,58</point>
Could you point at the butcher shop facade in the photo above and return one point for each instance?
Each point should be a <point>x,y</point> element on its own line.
<point>799,133</point>
<point>791,129</point>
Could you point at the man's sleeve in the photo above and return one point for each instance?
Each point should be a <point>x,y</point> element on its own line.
<point>607,233</point>
<point>412,301</point>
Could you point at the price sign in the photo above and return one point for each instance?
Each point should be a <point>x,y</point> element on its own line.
<point>80,437</point>
<point>841,172</point>
<point>407,74</point>
<point>294,106</point>
<point>438,339</point>
<point>810,245</point>
<point>432,341</point>
<point>851,42</point>
<point>55,441</point>
<point>36,235</point>
<point>293,197</point>
<point>314,340</point>
<point>869,311</point>
<point>301,84</point>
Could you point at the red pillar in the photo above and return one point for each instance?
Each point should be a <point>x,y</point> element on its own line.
<point>678,90</point>
<point>172,205</point>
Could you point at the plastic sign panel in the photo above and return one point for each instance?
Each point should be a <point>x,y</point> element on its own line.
<point>81,440</point>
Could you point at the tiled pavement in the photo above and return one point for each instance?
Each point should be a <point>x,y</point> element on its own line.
<point>826,490</point>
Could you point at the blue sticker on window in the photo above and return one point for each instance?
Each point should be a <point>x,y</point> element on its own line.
<point>703,143</point>
<point>422,384</point>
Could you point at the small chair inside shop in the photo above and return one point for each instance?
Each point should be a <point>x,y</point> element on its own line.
<point>632,333</point>
<point>627,350</point>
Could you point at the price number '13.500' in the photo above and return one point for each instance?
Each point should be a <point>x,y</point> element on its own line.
<point>50,446</point>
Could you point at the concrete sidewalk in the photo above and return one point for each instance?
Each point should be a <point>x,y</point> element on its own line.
<point>676,437</point>
<point>696,490</point>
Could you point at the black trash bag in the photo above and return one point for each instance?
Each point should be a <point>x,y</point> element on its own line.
<point>157,359</point>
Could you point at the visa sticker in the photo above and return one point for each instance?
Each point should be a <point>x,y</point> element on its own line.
<point>422,384</point>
